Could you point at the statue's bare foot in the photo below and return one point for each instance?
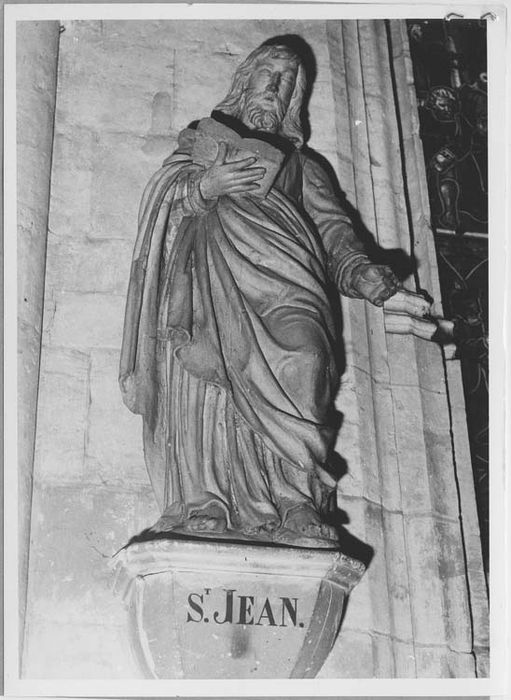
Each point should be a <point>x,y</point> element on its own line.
<point>264,531</point>
<point>211,518</point>
<point>305,521</point>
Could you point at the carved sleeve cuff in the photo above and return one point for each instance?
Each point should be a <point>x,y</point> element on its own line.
<point>197,203</point>
<point>344,274</point>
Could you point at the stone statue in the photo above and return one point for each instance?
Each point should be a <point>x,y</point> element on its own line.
<point>229,342</point>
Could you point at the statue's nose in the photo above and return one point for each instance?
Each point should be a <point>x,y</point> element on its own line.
<point>274,82</point>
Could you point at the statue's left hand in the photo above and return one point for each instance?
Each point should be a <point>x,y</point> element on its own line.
<point>377,283</point>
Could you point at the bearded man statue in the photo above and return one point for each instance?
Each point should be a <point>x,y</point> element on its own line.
<point>229,349</point>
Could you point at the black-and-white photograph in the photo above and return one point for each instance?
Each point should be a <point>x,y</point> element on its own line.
<point>252,347</point>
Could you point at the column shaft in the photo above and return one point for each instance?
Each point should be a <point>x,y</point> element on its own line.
<point>37,57</point>
<point>404,477</point>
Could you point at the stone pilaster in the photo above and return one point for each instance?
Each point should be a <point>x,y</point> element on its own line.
<point>407,490</point>
<point>36,54</point>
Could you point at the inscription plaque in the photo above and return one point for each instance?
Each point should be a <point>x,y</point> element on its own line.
<point>243,609</point>
<point>266,612</point>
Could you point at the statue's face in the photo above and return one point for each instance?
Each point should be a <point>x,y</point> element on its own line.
<point>442,103</point>
<point>268,93</point>
<point>273,80</point>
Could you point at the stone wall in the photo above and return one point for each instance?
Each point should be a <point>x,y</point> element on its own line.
<point>125,89</point>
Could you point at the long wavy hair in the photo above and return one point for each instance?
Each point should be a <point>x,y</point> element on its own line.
<point>291,126</point>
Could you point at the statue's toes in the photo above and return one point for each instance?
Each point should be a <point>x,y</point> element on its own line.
<point>310,529</point>
<point>196,524</point>
<point>219,524</point>
<point>328,532</point>
<point>207,524</point>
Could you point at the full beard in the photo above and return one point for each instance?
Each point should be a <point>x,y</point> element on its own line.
<point>263,117</point>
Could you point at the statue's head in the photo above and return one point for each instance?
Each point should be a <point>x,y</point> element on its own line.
<point>267,91</point>
<point>443,103</point>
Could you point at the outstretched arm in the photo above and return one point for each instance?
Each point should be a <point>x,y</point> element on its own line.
<point>349,266</point>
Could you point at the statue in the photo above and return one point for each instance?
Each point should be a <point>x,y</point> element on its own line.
<point>229,342</point>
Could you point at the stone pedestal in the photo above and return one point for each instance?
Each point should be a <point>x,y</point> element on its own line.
<point>202,609</point>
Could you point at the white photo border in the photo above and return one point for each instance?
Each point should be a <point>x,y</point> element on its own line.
<point>499,56</point>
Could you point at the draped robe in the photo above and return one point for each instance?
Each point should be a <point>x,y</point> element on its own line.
<point>229,342</point>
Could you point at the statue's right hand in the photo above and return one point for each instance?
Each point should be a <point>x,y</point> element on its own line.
<point>229,178</point>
